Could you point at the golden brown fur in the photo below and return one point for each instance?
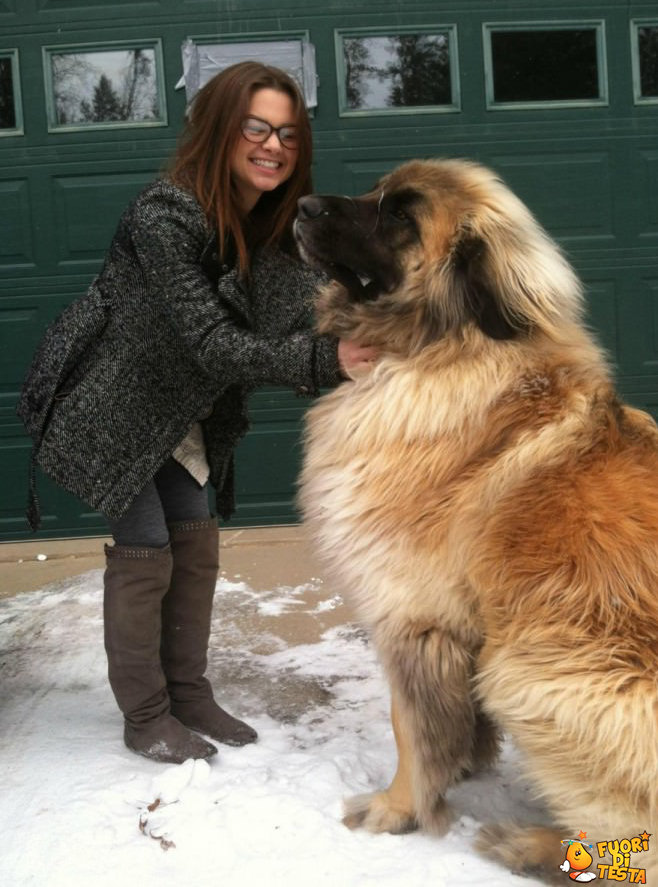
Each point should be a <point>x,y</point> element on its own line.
<point>491,507</point>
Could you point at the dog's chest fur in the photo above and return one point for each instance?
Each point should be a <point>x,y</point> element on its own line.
<point>381,489</point>
<point>403,469</point>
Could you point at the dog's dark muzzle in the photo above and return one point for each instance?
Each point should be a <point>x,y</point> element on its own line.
<point>335,233</point>
<point>312,207</point>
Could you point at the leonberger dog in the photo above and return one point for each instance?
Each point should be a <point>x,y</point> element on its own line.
<point>491,507</point>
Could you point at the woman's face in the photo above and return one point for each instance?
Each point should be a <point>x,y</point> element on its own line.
<point>263,166</point>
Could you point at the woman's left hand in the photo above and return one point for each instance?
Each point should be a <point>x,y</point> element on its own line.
<point>355,359</point>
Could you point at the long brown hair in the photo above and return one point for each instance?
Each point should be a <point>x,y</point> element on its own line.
<point>202,161</point>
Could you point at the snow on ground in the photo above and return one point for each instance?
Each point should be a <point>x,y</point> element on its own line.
<point>74,809</point>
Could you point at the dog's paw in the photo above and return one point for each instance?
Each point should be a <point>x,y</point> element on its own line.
<point>376,813</point>
<point>437,818</point>
<point>530,851</point>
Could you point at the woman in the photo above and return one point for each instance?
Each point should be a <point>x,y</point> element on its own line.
<point>137,396</point>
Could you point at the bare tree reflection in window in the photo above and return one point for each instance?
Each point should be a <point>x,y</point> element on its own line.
<point>358,64</point>
<point>397,71</point>
<point>71,75</point>
<point>420,73</point>
<point>139,89</point>
<point>105,87</point>
<point>7,106</point>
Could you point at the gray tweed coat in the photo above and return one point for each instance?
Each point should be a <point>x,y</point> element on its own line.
<point>164,338</point>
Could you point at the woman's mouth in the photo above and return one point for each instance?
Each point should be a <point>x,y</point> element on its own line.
<point>265,164</point>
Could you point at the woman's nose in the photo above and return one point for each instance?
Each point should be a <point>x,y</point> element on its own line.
<point>272,141</point>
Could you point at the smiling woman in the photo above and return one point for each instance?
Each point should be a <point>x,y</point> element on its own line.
<point>137,396</point>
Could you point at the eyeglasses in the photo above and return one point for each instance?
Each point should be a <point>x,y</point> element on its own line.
<point>256,130</point>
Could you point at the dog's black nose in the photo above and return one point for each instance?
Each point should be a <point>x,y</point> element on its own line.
<point>310,207</point>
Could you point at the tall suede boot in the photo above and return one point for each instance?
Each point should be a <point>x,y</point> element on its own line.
<point>136,580</point>
<point>186,612</point>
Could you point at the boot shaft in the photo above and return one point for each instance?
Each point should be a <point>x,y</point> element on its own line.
<point>135,582</point>
<point>186,615</point>
<point>187,606</point>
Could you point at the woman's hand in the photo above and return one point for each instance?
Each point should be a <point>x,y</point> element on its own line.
<point>355,359</point>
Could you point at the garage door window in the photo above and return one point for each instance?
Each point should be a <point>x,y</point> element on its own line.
<point>108,86</point>
<point>11,119</point>
<point>554,64</point>
<point>645,61</point>
<point>204,57</point>
<point>401,71</point>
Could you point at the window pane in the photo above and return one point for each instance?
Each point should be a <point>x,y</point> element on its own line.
<point>545,65</point>
<point>7,100</point>
<point>648,51</point>
<point>397,71</point>
<point>105,86</point>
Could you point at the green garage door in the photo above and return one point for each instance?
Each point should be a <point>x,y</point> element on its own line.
<point>560,98</point>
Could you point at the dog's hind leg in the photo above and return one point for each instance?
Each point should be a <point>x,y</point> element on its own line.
<point>532,851</point>
<point>539,851</point>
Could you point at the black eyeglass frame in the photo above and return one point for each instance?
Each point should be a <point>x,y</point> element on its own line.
<point>268,132</point>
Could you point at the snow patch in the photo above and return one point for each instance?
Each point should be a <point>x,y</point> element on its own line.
<point>77,807</point>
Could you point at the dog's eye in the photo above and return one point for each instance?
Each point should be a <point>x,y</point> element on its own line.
<point>400,215</point>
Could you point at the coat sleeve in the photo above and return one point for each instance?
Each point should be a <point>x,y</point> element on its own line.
<point>168,234</point>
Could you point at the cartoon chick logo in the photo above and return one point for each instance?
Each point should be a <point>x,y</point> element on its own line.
<point>578,859</point>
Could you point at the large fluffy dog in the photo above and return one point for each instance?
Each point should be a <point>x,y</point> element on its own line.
<point>492,507</point>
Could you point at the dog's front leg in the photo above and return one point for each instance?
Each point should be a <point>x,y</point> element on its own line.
<point>434,718</point>
<point>391,810</point>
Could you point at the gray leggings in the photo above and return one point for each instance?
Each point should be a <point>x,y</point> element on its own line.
<point>173,495</point>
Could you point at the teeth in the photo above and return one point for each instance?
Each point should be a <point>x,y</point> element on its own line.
<point>365,280</point>
<point>268,164</point>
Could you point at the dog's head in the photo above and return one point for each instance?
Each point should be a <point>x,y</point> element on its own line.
<point>437,247</point>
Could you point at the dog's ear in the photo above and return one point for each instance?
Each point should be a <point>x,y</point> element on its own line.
<point>513,275</point>
<point>477,290</point>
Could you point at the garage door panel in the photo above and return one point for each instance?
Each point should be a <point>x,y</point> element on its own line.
<point>638,326</point>
<point>647,194</point>
<point>269,458</point>
<point>602,310</point>
<point>267,465</point>
<point>61,513</point>
<point>570,192</point>
<point>87,208</point>
<point>622,308</point>
<point>23,320</point>
<point>16,245</point>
